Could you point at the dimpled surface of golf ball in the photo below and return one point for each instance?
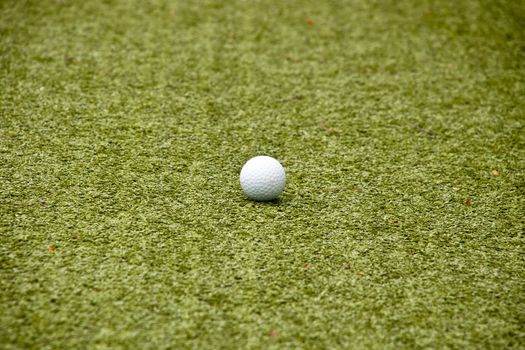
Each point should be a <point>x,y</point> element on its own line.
<point>263,178</point>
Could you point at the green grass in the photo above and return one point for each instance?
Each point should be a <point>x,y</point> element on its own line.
<point>123,128</point>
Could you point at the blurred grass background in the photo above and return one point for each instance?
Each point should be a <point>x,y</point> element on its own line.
<point>123,128</point>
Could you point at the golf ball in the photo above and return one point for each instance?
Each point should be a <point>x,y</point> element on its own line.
<point>263,178</point>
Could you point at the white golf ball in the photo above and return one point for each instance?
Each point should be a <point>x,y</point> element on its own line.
<point>263,178</point>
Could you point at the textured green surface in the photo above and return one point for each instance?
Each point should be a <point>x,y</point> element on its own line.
<point>123,128</point>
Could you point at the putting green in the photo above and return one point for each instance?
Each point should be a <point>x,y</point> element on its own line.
<point>123,129</point>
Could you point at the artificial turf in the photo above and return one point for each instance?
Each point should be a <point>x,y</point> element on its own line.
<point>123,128</point>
